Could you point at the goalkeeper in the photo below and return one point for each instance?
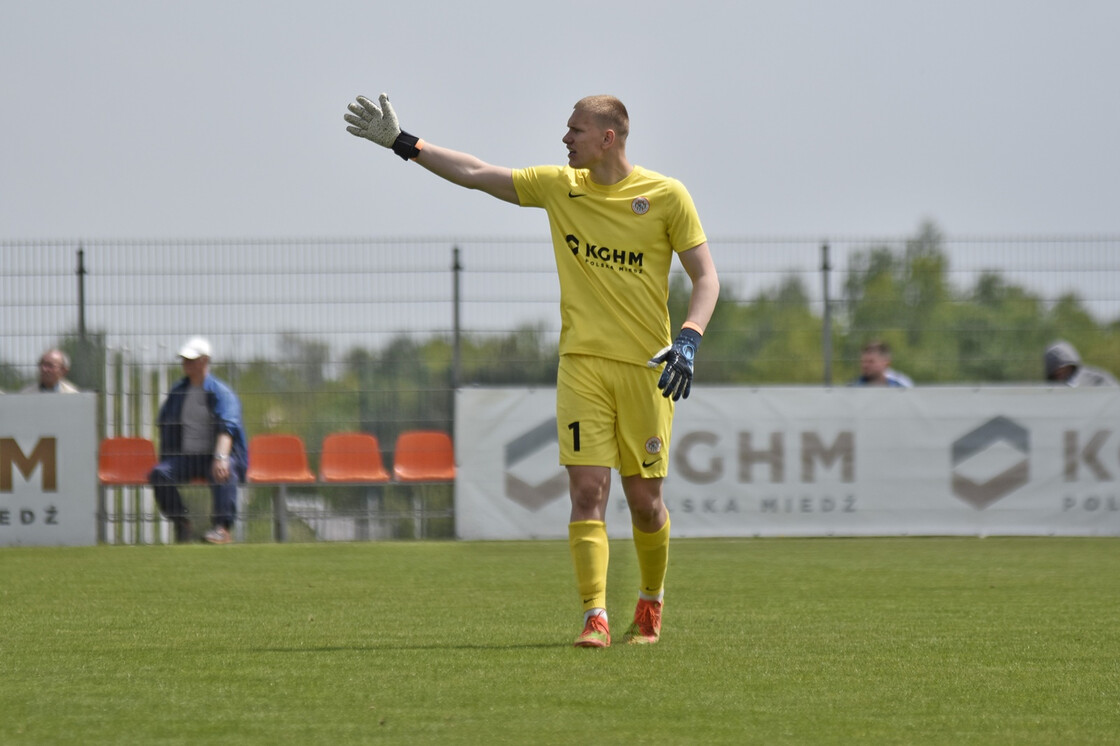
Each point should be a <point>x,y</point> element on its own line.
<point>615,229</point>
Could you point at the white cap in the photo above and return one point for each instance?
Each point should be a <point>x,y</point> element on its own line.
<point>195,348</point>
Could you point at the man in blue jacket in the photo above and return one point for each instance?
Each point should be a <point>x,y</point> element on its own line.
<point>201,436</point>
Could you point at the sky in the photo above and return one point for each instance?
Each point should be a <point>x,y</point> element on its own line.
<point>141,119</point>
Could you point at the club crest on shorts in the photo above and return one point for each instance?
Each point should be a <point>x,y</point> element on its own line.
<point>640,205</point>
<point>653,445</point>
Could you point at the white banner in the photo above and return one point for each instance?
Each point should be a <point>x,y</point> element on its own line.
<point>818,462</point>
<point>48,469</point>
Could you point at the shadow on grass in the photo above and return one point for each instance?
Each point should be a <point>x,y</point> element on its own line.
<point>368,648</point>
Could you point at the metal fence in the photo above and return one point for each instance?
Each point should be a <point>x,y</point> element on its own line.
<point>247,294</point>
<point>308,330</point>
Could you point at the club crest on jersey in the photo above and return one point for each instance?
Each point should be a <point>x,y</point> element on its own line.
<point>653,445</point>
<point>640,205</point>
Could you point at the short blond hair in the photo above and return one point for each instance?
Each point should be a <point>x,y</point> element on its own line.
<point>608,111</point>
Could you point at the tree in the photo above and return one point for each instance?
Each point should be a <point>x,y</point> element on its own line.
<point>904,299</point>
<point>768,339</point>
<point>522,356</point>
<point>996,332</point>
<point>10,378</point>
<point>87,359</point>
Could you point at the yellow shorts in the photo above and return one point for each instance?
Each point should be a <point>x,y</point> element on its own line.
<point>612,414</point>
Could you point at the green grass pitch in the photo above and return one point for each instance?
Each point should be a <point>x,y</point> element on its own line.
<point>817,641</point>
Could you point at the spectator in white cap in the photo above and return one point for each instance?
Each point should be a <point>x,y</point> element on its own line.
<point>201,436</point>
<point>53,367</point>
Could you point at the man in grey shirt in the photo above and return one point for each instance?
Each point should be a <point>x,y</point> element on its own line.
<point>201,436</point>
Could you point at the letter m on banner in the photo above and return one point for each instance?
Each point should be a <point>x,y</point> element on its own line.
<point>43,456</point>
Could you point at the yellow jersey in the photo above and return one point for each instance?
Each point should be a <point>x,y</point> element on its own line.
<point>614,246</point>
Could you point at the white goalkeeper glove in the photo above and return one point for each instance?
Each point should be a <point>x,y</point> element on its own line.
<point>378,123</point>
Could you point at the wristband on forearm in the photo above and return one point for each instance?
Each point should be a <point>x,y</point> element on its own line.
<point>407,146</point>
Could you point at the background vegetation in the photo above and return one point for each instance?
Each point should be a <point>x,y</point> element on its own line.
<point>990,332</point>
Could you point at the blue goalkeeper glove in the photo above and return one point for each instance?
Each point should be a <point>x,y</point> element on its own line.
<point>676,379</point>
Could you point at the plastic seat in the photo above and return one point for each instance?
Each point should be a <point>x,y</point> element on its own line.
<point>352,457</point>
<point>125,460</point>
<point>278,459</point>
<point>424,456</point>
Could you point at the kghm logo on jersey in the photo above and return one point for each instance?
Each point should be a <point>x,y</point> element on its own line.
<point>619,260</point>
<point>640,205</point>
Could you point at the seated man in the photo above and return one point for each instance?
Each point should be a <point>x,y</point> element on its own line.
<point>875,368</point>
<point>201,436</point>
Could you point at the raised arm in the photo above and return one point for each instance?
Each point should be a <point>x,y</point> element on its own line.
<point>378,123</point>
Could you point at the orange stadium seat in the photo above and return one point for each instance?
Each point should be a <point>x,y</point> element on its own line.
<point>352,457</point>
<point>125,460</point>
<point>278,459</point>
<point>424,456</point>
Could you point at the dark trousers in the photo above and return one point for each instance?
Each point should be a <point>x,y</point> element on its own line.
<point>176,470</point>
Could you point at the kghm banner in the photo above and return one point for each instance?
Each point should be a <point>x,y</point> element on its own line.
<point>48,469</point>
<point>818,462</point>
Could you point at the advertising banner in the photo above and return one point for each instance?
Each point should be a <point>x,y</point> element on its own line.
<point>818,462</point>
<point>48,469</point>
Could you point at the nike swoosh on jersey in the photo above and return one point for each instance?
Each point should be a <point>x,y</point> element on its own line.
<point>651,463</point>
<point>573,196</point>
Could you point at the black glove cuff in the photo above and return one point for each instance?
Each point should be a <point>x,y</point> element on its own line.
<point>405,146</point>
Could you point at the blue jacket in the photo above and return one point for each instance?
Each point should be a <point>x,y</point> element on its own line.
<point>222,403</point>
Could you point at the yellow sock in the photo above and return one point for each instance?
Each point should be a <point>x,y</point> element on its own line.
<point>653,560</point>
<point>590,552</point>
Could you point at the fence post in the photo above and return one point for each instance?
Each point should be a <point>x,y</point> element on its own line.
<point>456,272</point>
<point>280,514</point>
<point>826,336</point>
<point>82,296</point>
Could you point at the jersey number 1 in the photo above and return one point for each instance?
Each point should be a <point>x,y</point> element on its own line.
<point>574,427</point>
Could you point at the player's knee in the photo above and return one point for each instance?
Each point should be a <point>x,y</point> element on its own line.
<point>587,498</point>
<point>646,515</point>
